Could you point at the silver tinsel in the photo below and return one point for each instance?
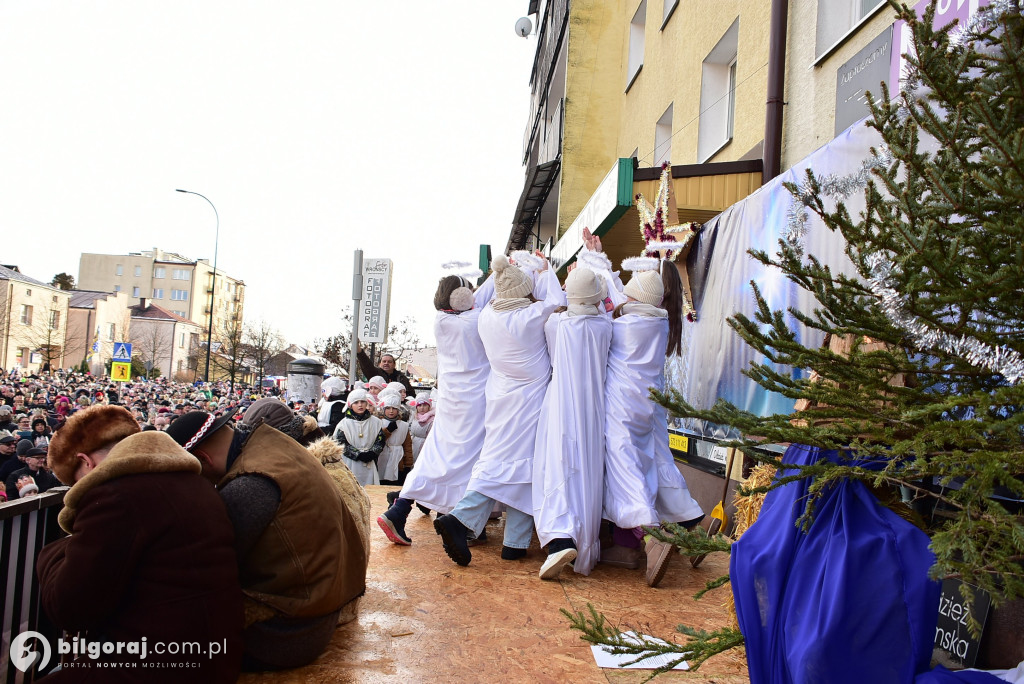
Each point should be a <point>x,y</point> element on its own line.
<point>1001,360</point>
<point>839,187</point>
<point>980,20</point>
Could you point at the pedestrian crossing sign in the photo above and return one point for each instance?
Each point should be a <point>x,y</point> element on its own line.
<point>120,371</point>
<point>122,352</point>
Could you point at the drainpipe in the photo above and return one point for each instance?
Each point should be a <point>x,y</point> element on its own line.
<point>776,82</point>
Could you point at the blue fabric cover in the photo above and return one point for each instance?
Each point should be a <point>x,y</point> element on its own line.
<point>849,601</point>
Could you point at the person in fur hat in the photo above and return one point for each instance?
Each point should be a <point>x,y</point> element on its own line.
<point>297,544</point>
<point>568,464</point>
<point>362,435</point>
<point>139,564</point>
<point>440,474</point>
<point>512,332</point>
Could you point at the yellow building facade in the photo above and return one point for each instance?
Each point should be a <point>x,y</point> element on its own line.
<point>653,81</point>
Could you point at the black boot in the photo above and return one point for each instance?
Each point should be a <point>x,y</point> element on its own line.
<point>453,538</point>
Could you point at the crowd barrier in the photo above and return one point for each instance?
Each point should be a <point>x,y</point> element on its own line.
<point>26,525</point>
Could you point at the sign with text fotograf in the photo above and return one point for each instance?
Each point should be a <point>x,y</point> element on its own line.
<point>376,301</point>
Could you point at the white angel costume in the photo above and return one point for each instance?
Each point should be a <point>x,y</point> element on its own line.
<point>520,370</point>
<point>360,436</point>
<point>393,452</point>
<point>438,478</point>
<point>568,469</point>
<point>642,484</point>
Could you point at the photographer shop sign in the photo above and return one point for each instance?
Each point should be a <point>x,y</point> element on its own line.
<point>376,301</point>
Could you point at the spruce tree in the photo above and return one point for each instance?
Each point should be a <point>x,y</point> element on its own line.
<point>930,388</point>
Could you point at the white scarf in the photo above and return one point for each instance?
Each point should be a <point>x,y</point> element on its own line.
<point>641,309</point>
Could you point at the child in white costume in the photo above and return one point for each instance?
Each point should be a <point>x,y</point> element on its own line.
<point>362,435</point>
<point>442,469</point>
<point>643,486</point>
<point>397,433</point>
<point>568,466</point>
<point>512,331</point>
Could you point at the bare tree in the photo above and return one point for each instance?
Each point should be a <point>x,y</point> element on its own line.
<point>152,344</point>
<point>43,330</point>
<point>402,340</point>
<point>337,348</point>
<point>261,342</point>
<point>228,351</point>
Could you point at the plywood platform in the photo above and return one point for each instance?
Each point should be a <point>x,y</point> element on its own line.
<point>425,619</point>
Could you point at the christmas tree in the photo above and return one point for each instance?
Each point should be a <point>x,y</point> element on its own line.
<point>923,376</point>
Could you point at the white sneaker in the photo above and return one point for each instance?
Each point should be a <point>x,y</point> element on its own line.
<point>552,567</point>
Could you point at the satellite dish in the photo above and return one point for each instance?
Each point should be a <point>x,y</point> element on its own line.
<point>524,26</point>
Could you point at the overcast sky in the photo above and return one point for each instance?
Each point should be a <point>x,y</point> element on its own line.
<point>314,127</point>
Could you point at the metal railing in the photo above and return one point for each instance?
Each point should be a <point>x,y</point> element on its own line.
<point>26,525</point>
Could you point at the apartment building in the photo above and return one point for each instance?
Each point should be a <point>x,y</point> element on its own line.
<point>96,320</point>
<point>34,325</point>
<point>171,281</point>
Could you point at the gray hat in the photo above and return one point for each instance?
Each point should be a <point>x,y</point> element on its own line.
<point>8,438</point>
<point>4,408</point>
<point>23,446</point>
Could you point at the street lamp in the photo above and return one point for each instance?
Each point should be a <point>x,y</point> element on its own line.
<point>213,283</point>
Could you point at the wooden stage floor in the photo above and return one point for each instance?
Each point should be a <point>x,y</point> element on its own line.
<point>425,619</point>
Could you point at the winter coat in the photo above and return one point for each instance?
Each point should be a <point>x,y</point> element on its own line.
<point>151,556</point>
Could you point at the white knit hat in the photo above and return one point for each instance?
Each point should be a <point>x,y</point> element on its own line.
<point>509,281</point>
<point>583,286</point>
<point>646,287</point>
<point>356,395</point>
<point>394,387</point>
<point>376,381</point>
<point>389,399</point>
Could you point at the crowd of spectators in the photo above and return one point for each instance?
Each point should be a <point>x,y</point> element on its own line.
<point>34,406</point>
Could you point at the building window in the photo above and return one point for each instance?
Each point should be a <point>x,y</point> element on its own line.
<point>179,274</point>
<point>135,291</point>
<point>28,293</point>
<point>181,340</point>
<point>670,8</point>
<point>26,314</point>
<point>159,272</point>
<point>138,271</point>
<point>54,320</point>
<point>636,44</point>
<point>179,295</point>
<point>179,313</point>
<point>117,288</point>
<point>119,270</point>
<point>663,138</point>
<point>181,364</point>
<point>158,293</point>
<point>110,332</point>
<point>718,95</point>
<point>837,19</point>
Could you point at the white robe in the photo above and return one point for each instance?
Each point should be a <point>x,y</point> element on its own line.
<point>520,370</point>
<point>366,473</point>
<point>391,455</point>
<point>439,477</point>
<point>568,466</point>
<point>642,484</point>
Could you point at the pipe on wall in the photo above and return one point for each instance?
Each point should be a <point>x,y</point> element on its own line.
<point>776,85</point>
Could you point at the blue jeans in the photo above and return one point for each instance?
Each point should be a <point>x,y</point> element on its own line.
<point>474,510</point>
